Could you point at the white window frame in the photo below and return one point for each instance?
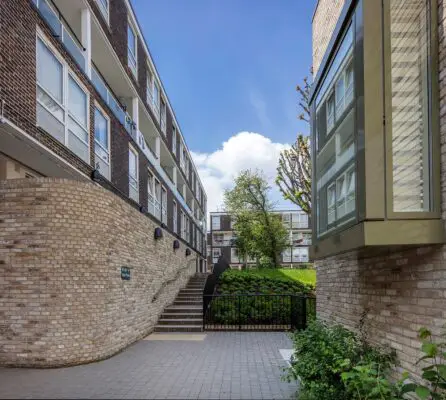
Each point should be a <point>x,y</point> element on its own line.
<point>215,226</point>
<point>66,74</point>
<point>163,116</point>
<point>158,197</point>
<point>163,204</point>
<point>134,68</point>
<point>151,192</point>
<point>187,229</point>
<point>216,253</point>
<point>106,116</point>
<point>183,224</point>
<point>175,217</point>
<point>174,140</point>
<point>105,10</point>
<point>135,185</point>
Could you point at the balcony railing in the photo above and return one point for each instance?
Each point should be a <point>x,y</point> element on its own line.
<point>61,30</point>
<point>229,242</point>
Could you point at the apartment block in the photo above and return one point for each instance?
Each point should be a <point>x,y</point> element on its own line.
<point>378,145</point>
<point>221,239</point>
<point>84,116</point>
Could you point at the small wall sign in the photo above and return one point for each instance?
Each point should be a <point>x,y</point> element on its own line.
<point>125,273</point>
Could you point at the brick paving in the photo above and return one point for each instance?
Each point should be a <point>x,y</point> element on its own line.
<point>224,365</point>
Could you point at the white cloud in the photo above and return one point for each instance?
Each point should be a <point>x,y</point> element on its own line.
<point>245,150</point>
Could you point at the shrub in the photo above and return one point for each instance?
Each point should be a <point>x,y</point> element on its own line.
<point>332,363</point>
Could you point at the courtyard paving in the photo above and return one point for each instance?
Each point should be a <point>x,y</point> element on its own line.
<point>218,365</point>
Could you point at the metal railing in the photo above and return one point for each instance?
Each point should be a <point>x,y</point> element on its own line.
<point>264,312</point>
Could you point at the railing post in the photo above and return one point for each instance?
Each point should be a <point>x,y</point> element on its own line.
<point>239,313</point>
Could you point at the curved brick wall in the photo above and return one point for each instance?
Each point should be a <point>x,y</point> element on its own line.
<point>62,300</point>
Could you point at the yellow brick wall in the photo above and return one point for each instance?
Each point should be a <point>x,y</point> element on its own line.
<point>62,245</point>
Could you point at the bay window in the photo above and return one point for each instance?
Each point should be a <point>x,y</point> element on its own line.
<point>102,142</point>
<point>133,174</point>
<point>62,102</point>
<point>375,137</point>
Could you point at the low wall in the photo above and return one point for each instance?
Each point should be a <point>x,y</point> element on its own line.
<point>398,292</point>
<point>62,299</point>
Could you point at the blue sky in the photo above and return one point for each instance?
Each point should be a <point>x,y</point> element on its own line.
<point>230,66</point>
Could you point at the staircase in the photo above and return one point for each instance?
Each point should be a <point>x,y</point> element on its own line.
<point>186,312</point>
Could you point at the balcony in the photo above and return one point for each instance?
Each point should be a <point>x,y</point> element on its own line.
<point>61,30</point>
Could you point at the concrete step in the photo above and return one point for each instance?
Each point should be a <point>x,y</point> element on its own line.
<point>182,315</point>
<point>173,321</point>
<point>188,302</point>
<point>183,309</point>
<point>178,328</point>
<point>188,297</point>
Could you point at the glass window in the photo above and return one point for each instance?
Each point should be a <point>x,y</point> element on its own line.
<point>131,53</point>
<point>133,175</point>
<point>156,96</point>
<point>151,193</point>
<point>335,111</point>
<point>216,222</point>
<point>216,253</point>
<point>163,117</point>
<point>101,139</point>
<point>174,140</point>
<point>49,72</point>
<point>158,204</point>
<point>410,105</point>
<point>77,102</point>
<point>175,217</point>
<point>164,205</point>
<point>103,7</point>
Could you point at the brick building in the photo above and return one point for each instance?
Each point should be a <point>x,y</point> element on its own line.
<point>221,237</point>
<point>378,137</point>
<point>92,161</point>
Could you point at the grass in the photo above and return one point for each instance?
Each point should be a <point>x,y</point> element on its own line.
<point>306,276</point>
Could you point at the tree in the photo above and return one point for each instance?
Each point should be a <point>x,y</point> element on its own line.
<point>294,169</point>
<point>259,231</point>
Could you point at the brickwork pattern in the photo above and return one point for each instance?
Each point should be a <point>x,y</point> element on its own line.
<point>62,300</point>
<point>398,291</point>
<point>324,21</point>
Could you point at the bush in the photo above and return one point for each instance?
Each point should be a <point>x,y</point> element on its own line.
<point>332,363</point>
<point>233,282</point>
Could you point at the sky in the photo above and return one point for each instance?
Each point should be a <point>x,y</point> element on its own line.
<point>230,69</point>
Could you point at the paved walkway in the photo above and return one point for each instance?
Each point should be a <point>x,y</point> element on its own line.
<point>219,365</point>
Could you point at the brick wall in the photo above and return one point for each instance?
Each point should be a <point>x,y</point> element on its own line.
<point>324,22</point>
<point>62,300</point>
<point>399,291</point>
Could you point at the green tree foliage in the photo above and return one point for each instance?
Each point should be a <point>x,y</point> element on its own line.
<point>294,169</point>
<point>260,232</point>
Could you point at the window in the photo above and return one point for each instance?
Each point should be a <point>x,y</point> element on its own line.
<point>216,254</point>
<point>132,49</point>
<point>183,224</point>
<point>286,255</point>
<point>163,117</point>
<point>187,229</point>
<point>286,220</point>
<point>234,256</point>
<point>182,156</point>
<point>299,220</point>
<point>156,98</point>
<point>216,222</point>
<point>218,239</point>
<point>63,113</point>
<point>104,8</point>
<point>164,205</point>
<point>149,90</point>
<point>330,113</point>
<point>300,254</point>
<point>158,199</point>
<point>102,142</point>
<point>208,253</point>
<point>175,217</point>
<point>133,174</point>
<point>151,193</point>
<point>174,140</point>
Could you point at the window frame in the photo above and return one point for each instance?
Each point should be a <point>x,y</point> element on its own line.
<point>107,118</point>
<point>174,140</point>
<point>174,216</point>
<point>213,226</point>
<point>136,187</point>
<point>105,12</point>
<point>67,72</point>
<point>164,210</point>
<point>151,192</point>
<point>131,27</point>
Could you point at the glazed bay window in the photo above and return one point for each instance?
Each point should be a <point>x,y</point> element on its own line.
<point>375,137</point>
<point>133,174</point>
<point>102,142</point>
<point>132,49</point>
<point>62,102</point>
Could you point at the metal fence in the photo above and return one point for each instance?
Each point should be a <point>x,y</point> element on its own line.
<point>261,312</point>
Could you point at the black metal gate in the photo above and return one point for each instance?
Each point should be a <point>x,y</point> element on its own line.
<point>267,312</point>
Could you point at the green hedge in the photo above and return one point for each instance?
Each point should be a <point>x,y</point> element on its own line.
<point>233,282</point>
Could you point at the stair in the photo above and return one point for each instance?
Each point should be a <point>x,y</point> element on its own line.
<point>185,314</point>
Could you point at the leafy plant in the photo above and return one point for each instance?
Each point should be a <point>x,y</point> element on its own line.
<point>434,373</point>
<point>332,363</point>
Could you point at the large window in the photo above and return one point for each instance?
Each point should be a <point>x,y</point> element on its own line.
<point>175,217</point>
<point>62,103</point>
<point>158,200</point>
<point>133,174</point>
<point>174,140</point>
<point>335,159</point>
<point>104,8</point>
<point>215,222</point>
<point>102,142</point>
<point>132,49</point>
<point>151,193</point>
<point>216,253</point>
<point>164,205</point>
<point>163,117</point>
